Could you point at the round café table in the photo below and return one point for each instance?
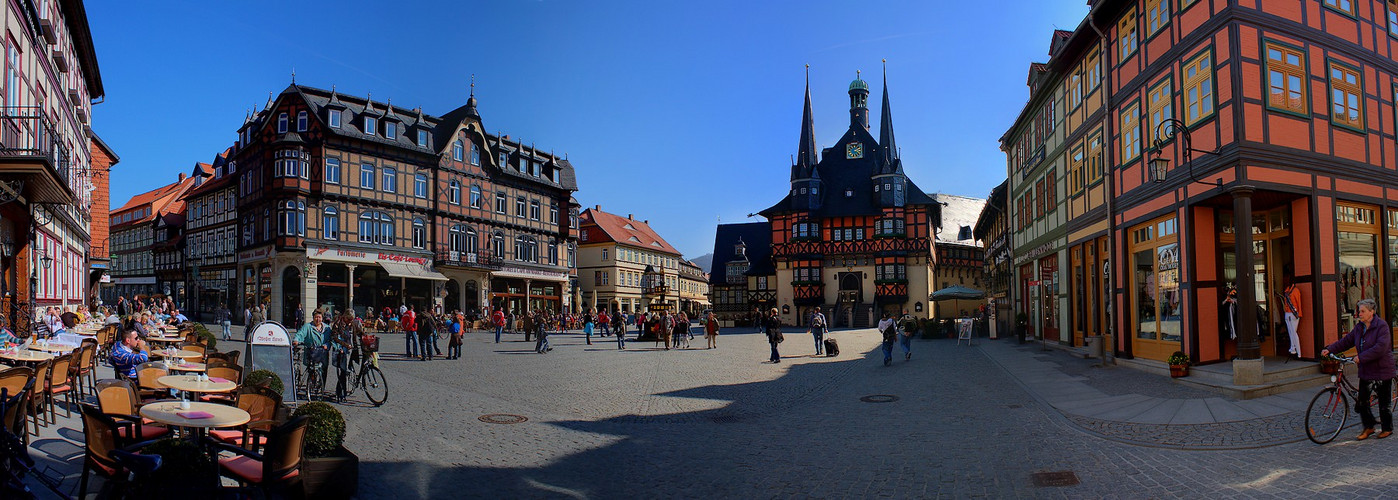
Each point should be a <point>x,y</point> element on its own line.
<point>188,367</point>
<point>54,348</point>
<point>177,353</point>
<point>155,339</point>
<point>190,383</point>
<point>168,413</point>
<point>25,356</point>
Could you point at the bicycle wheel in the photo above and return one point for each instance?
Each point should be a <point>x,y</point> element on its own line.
<point>1326,415</point>
<point>374,383</point>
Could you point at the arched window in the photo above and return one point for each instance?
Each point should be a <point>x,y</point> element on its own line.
<point>454,193</point>
<point>475,196</point>
<point>419,234</point>
<point>330,224</point>
<point>526,249</point>
<point>475,154</point>
<point>291,219</point>
<point>497,245</point>
<point>376,227</point>
<point>456,239</point>
<point>553,252</point>
<point>458,150</point>
<point>281,123</point>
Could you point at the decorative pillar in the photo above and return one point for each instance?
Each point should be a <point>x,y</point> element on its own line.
<point>349,286</point>
<point>1247,369</point>
<point>527,283</point>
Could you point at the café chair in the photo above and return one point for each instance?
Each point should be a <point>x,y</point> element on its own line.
<point>36,402</point>
<point>61,384</point>
<point>101,439</point>
<point>117,399</point>
<point>230,373</point>
<point>277,471</point>
<point>17,384</point>
<point>262,405</point>
<point>85,367</point>
<point>147,380</point>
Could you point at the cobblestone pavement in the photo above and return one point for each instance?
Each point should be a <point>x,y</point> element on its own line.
<point>717,423</point>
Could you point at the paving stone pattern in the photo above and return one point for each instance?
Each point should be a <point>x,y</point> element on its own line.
<point>647,423</point>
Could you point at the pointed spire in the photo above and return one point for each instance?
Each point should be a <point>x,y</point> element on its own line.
<point>806,152</point>
<point>270,100</point>
<point>886,122</point>
<point>471,101</point>
<point>293,76</point>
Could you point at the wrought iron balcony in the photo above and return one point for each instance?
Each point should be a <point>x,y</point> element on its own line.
<point>477,260</point>
<point>33,159</point>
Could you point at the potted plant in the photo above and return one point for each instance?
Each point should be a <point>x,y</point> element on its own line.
<point>206,337</point>
<point>265,378</point>
<point>328,470</point>
<point>1179,364</point>
<point>184,470</point>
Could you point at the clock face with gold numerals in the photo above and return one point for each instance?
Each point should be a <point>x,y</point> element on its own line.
<point>854,150</point>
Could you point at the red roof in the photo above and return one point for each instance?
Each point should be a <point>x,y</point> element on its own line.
<point>158,199</point>
<point>623,230</point>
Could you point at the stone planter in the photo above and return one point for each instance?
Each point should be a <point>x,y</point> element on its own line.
<point>1177,371</point>
<point>334,476</point>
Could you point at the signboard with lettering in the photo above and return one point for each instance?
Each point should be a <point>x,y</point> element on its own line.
<point>256,253</point>
<point>362,257</point>
<point>269,348</point>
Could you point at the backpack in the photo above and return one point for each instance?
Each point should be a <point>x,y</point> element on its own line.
<point>890,333</point>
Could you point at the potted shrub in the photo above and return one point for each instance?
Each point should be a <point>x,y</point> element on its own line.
<point>184,470</point>
<point>1179,364</point>
<point>206,337</point>
<point>328,470</point>
<point>265,378</point>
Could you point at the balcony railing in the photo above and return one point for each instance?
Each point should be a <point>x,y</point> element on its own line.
<point>480,260</point>
<point>26,136</point>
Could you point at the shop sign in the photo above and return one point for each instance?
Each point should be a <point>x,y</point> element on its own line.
<point>362,257</point>
<point>256,253</point>
<point>533,272</point>
<point>1034,254</point>
<point>106,278</point>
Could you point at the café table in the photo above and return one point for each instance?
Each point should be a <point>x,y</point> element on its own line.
<point>188,367</point>
<point>191,383</point>
<point>53,348</point>
<point>219,415</point>
<point>177,353</point>
<point>26,356</point>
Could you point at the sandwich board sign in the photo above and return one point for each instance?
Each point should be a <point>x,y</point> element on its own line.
<point>269,348</point>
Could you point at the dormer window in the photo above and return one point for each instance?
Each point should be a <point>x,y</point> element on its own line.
<point>504,159</point>
<point>281,123</point>
<point>334,118</point>
<point>390,130</point>
<point>370,125</point>
<point>803,190</point>
<point>301,119</point>
<point>422,138</point>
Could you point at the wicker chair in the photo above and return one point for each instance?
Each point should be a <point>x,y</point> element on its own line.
<point>36,402</point>
<point>15,381</point>
<point>102,438</point>
<point>85,368</point>
<point>118,399</point>
<point>147,380</point>
<point>278,470</point>
<point>61,384</point>
<point>262,405</point>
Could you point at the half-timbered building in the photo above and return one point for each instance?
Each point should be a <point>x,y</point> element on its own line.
<point>854,234</point>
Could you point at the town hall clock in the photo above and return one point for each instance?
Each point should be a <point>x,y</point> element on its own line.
<point>854,150</point>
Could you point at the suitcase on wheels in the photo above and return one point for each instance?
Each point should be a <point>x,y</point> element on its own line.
<point>832,348</point>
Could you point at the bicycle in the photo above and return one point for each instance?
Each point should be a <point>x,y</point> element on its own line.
<point>1329,409</point>
<point>370,377</point>
<point>308,377</point>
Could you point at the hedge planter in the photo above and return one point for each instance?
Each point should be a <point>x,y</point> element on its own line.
<point>333,476</point>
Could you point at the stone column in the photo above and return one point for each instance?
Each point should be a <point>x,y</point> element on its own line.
<point>527,284</point>
<point>310,288</point>
<point>1247,369</point>
<point>349,286</point>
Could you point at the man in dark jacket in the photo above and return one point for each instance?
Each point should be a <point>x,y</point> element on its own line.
<point>1373,340</point>
<point>426,331</point>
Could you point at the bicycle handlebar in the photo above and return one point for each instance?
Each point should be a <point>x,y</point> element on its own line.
<point>1339,358</point>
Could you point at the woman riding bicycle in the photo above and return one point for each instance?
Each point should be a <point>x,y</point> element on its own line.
<point>1373,340</point>
<point>316,337</point>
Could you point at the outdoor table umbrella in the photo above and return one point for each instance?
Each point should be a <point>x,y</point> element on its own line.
<point>956,292</point>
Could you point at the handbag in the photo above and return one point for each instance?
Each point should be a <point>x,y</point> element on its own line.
<point>777,337</point>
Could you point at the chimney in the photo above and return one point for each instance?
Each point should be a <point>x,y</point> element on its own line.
<point>597,208</point>
<point>629,217</point>
<point>181,176</point>
<point>646,222</point>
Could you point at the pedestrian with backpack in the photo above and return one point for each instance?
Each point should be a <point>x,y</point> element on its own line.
<point>818,330</point>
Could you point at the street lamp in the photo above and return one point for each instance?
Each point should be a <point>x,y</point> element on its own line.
<point>1167,130</point>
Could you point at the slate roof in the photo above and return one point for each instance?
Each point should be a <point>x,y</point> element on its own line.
<point>614,228</point>
<point>757,236</point>
<point>836,176</point>
<point>994,205</point>
<point>958,212</point>
<point>220,160</point>
<point>441,130</point>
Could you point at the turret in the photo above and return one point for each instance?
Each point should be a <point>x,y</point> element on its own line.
<point>858,102</point>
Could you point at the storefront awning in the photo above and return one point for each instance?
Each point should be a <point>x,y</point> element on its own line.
<point>409,271</point>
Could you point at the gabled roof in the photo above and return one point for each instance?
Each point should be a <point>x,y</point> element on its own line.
<point>837,176</point>
<point>614,228</point>
<point>958,212</point>
<point>220,161</point>
<point>994,207</point>
<point>755,236</point>
<point>158,198</point>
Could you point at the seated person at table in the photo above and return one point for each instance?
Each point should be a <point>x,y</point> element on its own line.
<point>151,324</point>
<point>128,354</point>
<point>6,335</point>
<point>177,318</point>
<point>69,320</point>
<point>111,319</point>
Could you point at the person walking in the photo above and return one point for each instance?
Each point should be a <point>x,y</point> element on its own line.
<point>604,323</point>
<point>711,330</point>
<point>667,328</point>
<point>1373,341</point>
<point>300,318</point>
<point>817,331</point>
<point>542,345</point>
<point>1291,309</point>
<point>497,318</point>
<point>454,343</point>
<point>681,330</point>
<point>426,335</point>
<point>907,326</point>
<point>224,320</point>
<point>409,325</point>
<point>772,324</point>
<point>619,320</point>
<point>588,318</point>
<point>256,318</point>
<point>890,334</point>
<point>440,326</point>
<point>529,325</point>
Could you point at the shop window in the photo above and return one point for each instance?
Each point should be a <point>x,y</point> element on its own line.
<point>1358,233</point>
<point>1156,299</point>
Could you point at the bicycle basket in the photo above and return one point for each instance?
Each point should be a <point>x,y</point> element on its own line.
<point>370,343</point>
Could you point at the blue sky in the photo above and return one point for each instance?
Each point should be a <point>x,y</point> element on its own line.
<point>682,113</point>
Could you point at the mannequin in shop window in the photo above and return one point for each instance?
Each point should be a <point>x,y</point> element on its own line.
<point>1291,312</point>
<point>1230,312</point>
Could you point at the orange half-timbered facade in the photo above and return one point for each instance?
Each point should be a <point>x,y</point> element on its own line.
<point>1277,116</point>
<point>854,235</point>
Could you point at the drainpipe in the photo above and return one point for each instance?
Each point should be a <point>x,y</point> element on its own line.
<point>1108,351</point>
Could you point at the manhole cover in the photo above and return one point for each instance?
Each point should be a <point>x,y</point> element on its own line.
<point>1049,479</point>
<point>724,419</point>
<point>1012,406</point>
<point>879,398</point>
<point>503,418</point>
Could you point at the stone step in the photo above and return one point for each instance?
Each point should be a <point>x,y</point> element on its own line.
<point>1212,378</point>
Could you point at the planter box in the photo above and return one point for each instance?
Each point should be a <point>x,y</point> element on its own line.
<point>1177,371</point>
<point>335,476</point>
